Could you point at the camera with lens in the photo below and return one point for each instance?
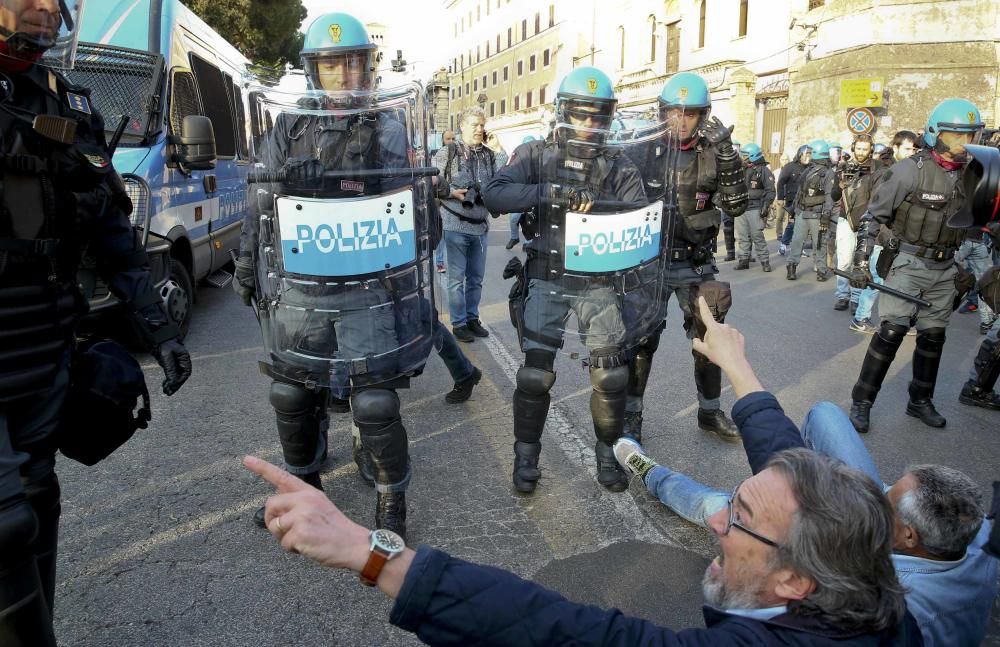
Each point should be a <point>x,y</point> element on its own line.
<point>852,171</point>
<point>472,196</point>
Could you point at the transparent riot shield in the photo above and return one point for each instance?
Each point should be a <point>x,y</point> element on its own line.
<point>594,268</point>
<point>343,258</point>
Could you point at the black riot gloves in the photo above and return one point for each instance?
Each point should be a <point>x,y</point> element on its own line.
<point>308,172</point>
<point>718,134</point>
<point>245,283</point>
<point>861,275</point>
<point>175,361</point>
<point>574,198</point>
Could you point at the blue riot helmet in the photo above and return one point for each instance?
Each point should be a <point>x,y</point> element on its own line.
<point>528,138</point>
<point>687,93</point>
<point>338,55</point>
<point>752,153</point>
<point>585,107</point>
<point>803,149</point>
<point>820,149</point>
<point>878,149</point>
<point>952,115</point>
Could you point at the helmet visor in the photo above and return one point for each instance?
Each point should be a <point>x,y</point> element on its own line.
<point>30,29</point>
<point>343,72</point>
<point>975,129</point>
<point>683,122</point>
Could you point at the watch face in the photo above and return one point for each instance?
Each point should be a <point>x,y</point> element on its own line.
<point>388,541</point>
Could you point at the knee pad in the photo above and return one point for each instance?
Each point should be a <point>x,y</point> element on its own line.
<point>375,406</point>
<point>535,381</point>
<point>18,527</point>
<point>290,399</point>
<point>609,380</point>
<point>931,339</point>
<point>892,333</point>
<point>543,359</point>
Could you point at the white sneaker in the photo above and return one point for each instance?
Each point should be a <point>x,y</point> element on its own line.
<point>633,458</point>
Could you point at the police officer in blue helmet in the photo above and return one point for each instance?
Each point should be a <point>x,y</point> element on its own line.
<point>561,185</point>
<point>760,195</point>
<point>813,208</point>
<point>915,201</point>
<point>704,176</point>
<point>340,319</point>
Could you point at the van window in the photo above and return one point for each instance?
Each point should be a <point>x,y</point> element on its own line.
<point>236,100</point>
<point>184,99</point>
<point>216,96</point>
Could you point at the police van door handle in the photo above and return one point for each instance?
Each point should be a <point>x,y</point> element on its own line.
<point>210,183</point>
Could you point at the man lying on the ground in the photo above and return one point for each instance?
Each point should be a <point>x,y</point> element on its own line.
<point>939,531</point>
<point>809,565</point>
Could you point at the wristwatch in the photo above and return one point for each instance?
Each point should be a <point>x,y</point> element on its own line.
<point>385,544</point>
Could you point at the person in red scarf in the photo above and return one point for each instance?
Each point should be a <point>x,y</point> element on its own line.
<point>915,201</point>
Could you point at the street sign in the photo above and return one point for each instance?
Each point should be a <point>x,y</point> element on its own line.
<point>857,93</point>
<point>861,120</point>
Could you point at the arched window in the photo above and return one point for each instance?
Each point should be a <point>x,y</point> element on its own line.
<point>744,5</point>
<point>621,47</point>
<point>652,38</point>
<point>701,23</point>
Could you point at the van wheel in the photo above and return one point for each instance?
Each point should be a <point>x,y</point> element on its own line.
<point>178,296</point>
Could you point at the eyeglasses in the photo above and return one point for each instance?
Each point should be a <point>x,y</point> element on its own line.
<point>733,523</point>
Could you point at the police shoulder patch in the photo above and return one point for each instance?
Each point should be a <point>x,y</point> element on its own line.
<point>78,102</point>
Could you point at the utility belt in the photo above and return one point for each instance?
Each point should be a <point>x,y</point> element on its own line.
<point>697,255</point>
<point>930,253</point>
<point>358,369</point>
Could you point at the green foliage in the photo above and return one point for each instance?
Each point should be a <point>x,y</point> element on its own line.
<point>266,31</point>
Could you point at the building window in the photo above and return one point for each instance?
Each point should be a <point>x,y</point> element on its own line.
<point>701,23</point>
<point>673,46</point>
<point>453,94</point>
<point>541,96</point>
<point>621,47</point>
<point>531,63</point>
<point>743,16</point>
<point>652,39</point>
<point>506,73</point>
<point>520,70</point>
<point>484,81</point>
<point>477,53</point>
<point>503,106</point>
<point>487,49</point>
<point>524,32</point>
<point>494,78</point>
<point>477,13</point>
<point>517,102</point>
<point>487,7</point>
<point>510,37</point>
<point>498,43</point>
<point>538,22</point>
<point>493,109</point>
<point>456,29</point>
<point>463,24</point>
<point>467,88</point>
<point>475,85</point>
<point>460,92</point>
<point>527,100</point>
<point>552,15</point>
<point>545,58</point>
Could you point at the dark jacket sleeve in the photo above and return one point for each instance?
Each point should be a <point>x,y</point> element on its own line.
<point>769,190</point>
<point>765,428</point>
<point>447,601</point>
<point>515,187</point>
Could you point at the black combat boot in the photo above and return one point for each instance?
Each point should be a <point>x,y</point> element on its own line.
<point>312,479</point>
<point>973,395</point>
<point>715,421</point>
<point>390,512</point>
<point>765,265</point>
<point>526,472</point>
<point>609,473</point>
<point>860,409</point>
<point>363,459</point>
<point>463,389</point>
<point>979,392</point>
<point>633,426</point>
<point>790,271</point>
<point>743,264</point>
<point>926,360</point>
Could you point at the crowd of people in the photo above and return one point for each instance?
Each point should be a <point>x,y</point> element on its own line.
<point>336,260</point>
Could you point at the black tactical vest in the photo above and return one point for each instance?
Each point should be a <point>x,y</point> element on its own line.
<point>755,185</point>
<point>921,218</point>
<point>811,189</point>
<point>699,219</point>
<point>50,193</point>
<point>857,195</point>
<point>341,144</point>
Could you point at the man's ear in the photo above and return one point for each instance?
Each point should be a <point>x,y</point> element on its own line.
<point>910,538</point>
<point>792,586</point>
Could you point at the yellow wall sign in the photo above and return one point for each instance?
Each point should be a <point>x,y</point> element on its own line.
<point>861,93</point>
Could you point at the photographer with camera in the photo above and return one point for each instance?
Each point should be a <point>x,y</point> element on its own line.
<point>465,167</point>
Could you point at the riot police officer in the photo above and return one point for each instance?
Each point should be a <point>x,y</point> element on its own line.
<point>978,390</point>
<point>337,256</point>
<point>915,201</point>
<point>58,194</point>
<point>699,163</point>
<point>813,207</point>
<point>760,195</point>
<point>578,262</point>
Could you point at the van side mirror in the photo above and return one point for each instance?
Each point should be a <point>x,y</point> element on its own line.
<point>195,148</point>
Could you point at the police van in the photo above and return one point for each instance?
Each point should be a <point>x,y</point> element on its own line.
<point>171,87</point>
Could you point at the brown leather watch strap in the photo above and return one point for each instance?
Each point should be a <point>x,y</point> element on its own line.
<point>373,568</point>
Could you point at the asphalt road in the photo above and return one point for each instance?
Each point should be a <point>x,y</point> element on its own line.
<point>158,547</point>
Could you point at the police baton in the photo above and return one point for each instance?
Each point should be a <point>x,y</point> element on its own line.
<point>420,171</point>
<point>893,291</point>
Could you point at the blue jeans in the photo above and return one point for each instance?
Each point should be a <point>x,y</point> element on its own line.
<point>826,430</point>
<point>466,266</point>
<point>515,234</point>
<point>978,258</point>
<point>866,302</point>
<point>786,238</point>
<point>451,354</point>
<point>439,255</point>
